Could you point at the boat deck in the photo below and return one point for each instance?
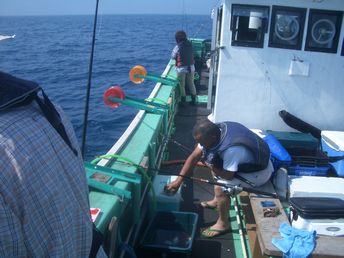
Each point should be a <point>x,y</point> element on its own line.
<point>230,244</point>
<point>195,192</point>
<point>242,241</point>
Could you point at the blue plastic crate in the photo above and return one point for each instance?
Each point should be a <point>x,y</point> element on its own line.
<point>170,232</point>
<point>299,170</point>
<point>278,154</point>
<point>279,163</point>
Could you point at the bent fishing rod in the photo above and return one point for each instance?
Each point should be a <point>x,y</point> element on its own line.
<point>232,189</point>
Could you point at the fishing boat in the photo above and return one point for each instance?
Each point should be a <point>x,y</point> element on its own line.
<point>277,68</point>
<point>3,37</point>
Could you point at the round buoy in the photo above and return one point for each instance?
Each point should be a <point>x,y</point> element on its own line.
<point>137,74</point>
<point>115,92</point>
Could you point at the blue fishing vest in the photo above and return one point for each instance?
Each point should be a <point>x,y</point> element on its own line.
<point>185,54</point>
<point>235,134</point>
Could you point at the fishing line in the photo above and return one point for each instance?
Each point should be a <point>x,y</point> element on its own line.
<point>199,29</point>
<point>184,17</point>
<point>202,25</point>
<point>180,145</point>
<point>100,25</point>
<point>166,138</point>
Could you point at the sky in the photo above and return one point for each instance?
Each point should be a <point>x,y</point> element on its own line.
<point>68,7</point>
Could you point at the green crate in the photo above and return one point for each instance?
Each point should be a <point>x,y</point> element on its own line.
<point>200,47</point>
<point>296,140</point>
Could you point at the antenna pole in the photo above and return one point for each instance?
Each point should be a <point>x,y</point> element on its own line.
<point>89,83</point>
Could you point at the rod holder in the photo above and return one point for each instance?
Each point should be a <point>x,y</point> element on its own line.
<point>138,74</point>
<point>114,97</point>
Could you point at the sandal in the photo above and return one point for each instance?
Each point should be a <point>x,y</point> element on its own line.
<point>210,233</point>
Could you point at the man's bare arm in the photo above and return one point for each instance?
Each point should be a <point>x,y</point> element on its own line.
<point>189,164</point>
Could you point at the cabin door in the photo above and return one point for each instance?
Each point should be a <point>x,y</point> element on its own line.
<point>215,47</point>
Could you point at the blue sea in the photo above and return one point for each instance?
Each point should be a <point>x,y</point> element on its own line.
<point>55,52</point>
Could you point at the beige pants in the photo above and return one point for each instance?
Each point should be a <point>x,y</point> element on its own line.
<point>188,79</point>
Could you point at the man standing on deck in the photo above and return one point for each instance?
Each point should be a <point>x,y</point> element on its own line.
<point>44,206</point>
<point>235,155</point>
<point>185,68</point>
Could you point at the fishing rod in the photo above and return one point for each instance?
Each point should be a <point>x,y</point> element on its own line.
<point>89,82</point>
<point>237,189</point>
<point>232,189</point>
<point>236,175</point>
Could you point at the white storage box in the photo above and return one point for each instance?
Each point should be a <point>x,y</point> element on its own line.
<point>322,214</point>
<point>328,227</point>
<point>332,142</point>
<point>315,186</point>
<point>166,202</point>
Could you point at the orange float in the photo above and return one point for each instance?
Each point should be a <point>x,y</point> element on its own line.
<point>137,74</point>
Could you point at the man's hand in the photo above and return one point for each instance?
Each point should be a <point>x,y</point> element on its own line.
<point>189,164</point>
<point>174,185</point>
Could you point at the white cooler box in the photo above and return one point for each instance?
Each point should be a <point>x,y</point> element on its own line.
<point>325,215</point>
<point>314,186</point>
<point>165,201</point>
<point>332,142</point>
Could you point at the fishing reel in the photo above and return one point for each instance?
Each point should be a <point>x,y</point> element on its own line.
<point>233,190</point>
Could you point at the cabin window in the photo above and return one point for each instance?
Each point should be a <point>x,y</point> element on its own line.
<point>249,24</point>
<point>219,25</point>
<point>287,25</point>
<point>323,31</point>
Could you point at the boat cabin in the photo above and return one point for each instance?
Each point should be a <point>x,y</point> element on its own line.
<point>278,55</point>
